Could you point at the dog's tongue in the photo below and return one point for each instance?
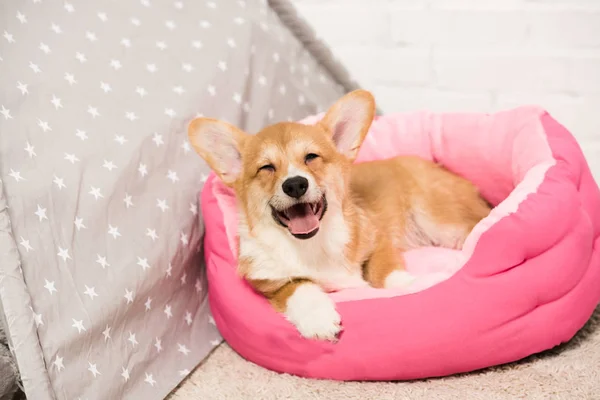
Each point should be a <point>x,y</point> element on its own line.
<point>302,219</point>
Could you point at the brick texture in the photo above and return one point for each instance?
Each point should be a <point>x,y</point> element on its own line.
<point>472,55</point>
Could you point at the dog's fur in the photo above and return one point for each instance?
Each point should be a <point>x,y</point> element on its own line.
<point>369,212</point>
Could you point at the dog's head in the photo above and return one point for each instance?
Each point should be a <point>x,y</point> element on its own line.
<point>288,174</point>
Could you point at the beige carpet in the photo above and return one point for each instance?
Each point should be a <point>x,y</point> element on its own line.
<point>569,372</point>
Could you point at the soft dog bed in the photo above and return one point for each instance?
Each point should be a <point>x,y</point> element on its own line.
<point>526,280</point>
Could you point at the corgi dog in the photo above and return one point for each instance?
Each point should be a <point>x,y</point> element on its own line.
<point>312,221</point>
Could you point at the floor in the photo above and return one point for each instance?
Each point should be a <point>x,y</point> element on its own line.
<point>569,372</point>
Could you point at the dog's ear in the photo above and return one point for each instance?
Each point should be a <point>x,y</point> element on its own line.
<point>220,145</point>
<point>348,121</point>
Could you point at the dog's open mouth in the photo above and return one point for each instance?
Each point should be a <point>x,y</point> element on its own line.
<point>302,219</point>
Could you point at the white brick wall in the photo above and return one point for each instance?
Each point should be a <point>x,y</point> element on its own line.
<point>472,55</point>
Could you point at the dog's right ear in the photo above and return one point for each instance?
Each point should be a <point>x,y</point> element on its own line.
<point>220,145</point>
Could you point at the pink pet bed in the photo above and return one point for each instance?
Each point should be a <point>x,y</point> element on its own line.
<point>526,280</point>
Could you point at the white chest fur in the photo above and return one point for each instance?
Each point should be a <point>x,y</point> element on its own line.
<point>277,255</point>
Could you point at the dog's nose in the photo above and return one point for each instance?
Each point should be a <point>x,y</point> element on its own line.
<point>295,187</point>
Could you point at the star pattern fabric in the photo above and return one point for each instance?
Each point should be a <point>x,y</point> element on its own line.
<point>101,184</point>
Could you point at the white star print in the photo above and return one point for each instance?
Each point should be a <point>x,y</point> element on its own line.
<point>91,36</point>
<point>203,178</point>
<point>93,369</point>
<point>142,169</point>
<point>81,57</point>
<point>5,112</point>
<point>23,88</point>
<point>151,233</point>
<point>90,291</point>
<point>44,125</point>
<point>94,191</point>
<point>170,25</point>
<point>127,200</point>
<point>105,87</point>
<point>25,244</point>
<point>215,342</point>
<point>16,175</point>
<point>182,349</point>
<point>132,339</point>
<point>169,269</point>
<point>271,113</point>
<point>187,67</point>
<point>56,102</point>
<point>126,42</point>
<point>21,17</point>
<point>161,45</point>
<point>72,158</point>
<point>141,91</point>
<point>41,213</point>
<point>151,68</point>
<point>282,89</point>
<point>70,78</point>
<point>30,150</point>
<point>239,20</point>
<point>158,345</point>
<point>184,372</point>
<point>115,64</point>
<point>45,48</point>
<point>158,139</point>
<point>149,379</point>
<point>276,57</point>
<point>63,253</point>
<point>186,147</point>
<point>148,304</point>
<point>184,239</point>
<point>136,21</point>
<point>172,176</point>
<point>106,333</point>
<point>79,325</point>
<point>79,223</point>
<point>69,7</point>
<point>196,44</point>
<point>102,261</point>
<point>205,24</point>
<point>109,165</point>
<point>102,16</point>
<point>50,286</point>
<point>211,90</point>
<point>58,363</point>
<point>222,66</point>
<point>120,139</point>
<point>183,278</point>
<point>125,373</point>
<point>179,90</point>
<point>81,134</point>
<point>93,111</point>
<point>145,3</point>
<point>113,231</point>
<point>167,311</point>
<point>178,5</point>
<point>60,182</point>
<point>231,43</point>
<point>56,28</point>
<point>188,318</point>
<point>131,116</point>
<point>9,37</point>
<point>237,98</point>
<point>170,112</point>
<point>198,286</point>
<point>129,296</point>
<point>34,68</point>
<point>194,208</point>
<point>143,262</point>
<point>162,204</point>
<point>38,319</point>
<point>211,320</point>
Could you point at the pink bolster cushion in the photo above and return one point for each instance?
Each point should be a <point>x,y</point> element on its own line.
<point>526,280</point>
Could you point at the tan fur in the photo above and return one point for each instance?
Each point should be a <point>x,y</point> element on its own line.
<point>385,207</point>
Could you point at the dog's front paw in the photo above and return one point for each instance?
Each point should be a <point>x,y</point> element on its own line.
<point>313,313</point>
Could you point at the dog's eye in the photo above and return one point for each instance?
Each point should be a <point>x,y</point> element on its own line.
<point>310,156</point>
<point>268,167</point>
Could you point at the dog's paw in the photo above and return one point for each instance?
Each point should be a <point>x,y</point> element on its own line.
<point>313,313</point>
<point>399,279</point>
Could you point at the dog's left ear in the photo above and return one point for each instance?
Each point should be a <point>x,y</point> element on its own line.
<point>348,121</point>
